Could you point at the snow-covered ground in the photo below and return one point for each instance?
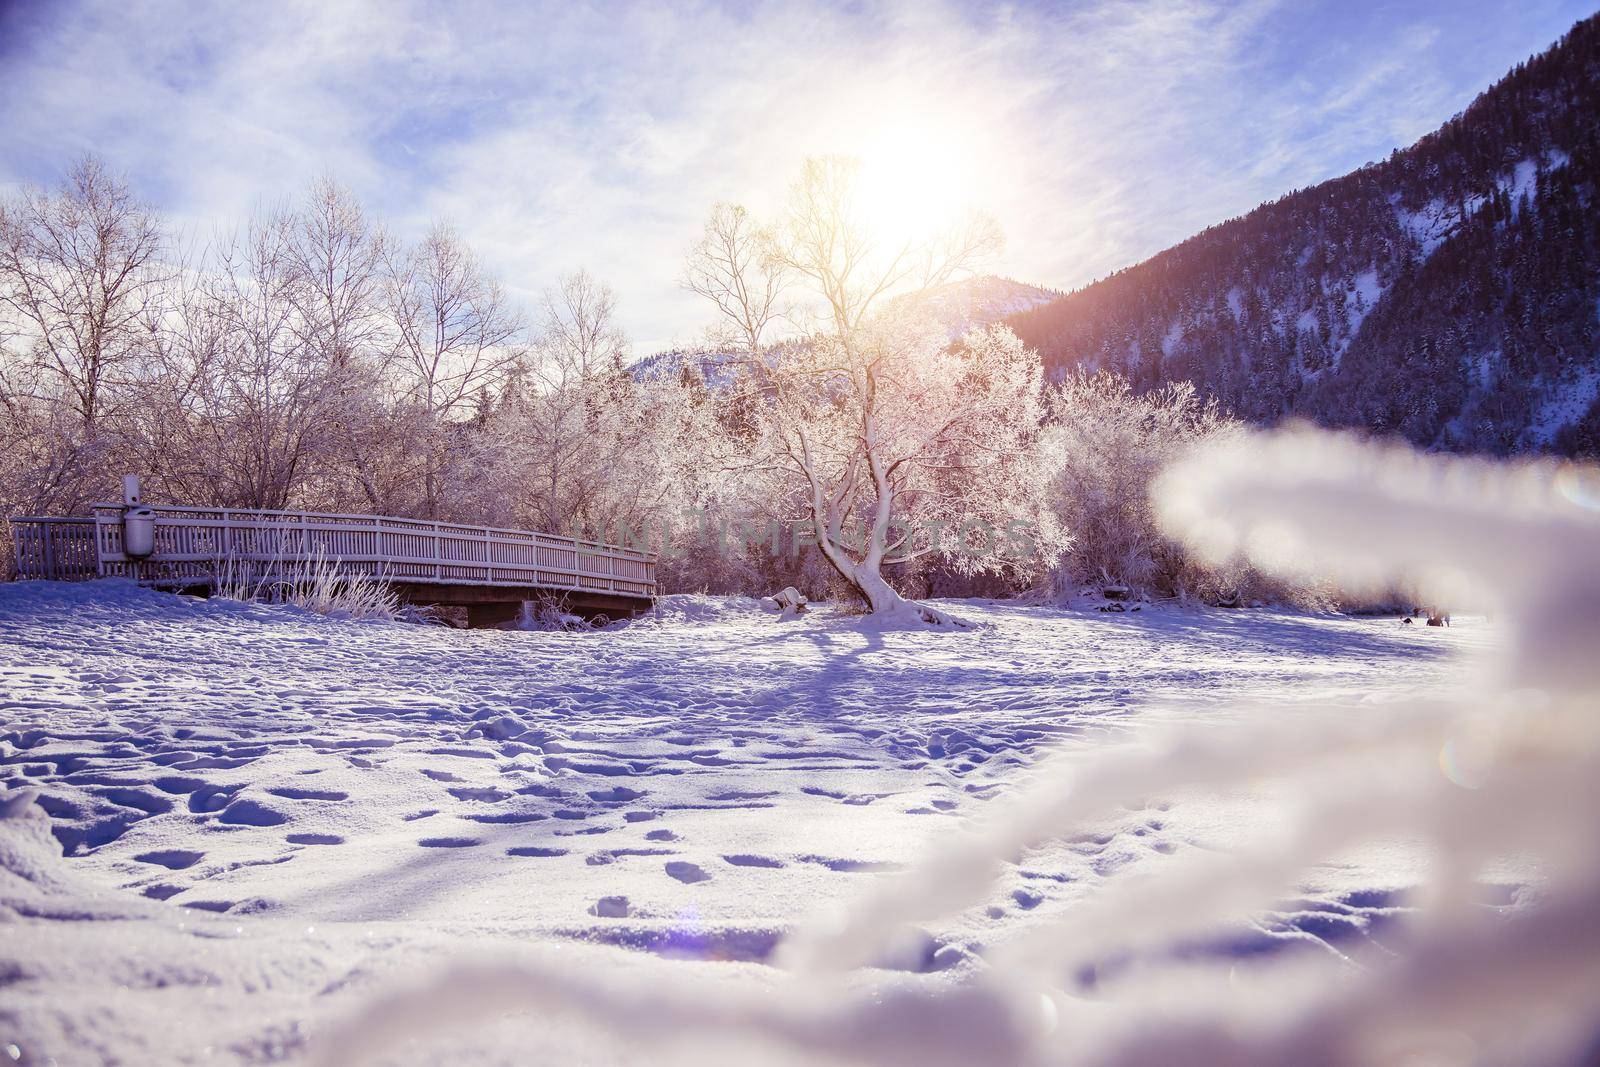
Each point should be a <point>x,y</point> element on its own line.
<point>268,816</point>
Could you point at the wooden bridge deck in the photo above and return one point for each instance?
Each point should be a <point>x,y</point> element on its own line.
<point>490,570</point>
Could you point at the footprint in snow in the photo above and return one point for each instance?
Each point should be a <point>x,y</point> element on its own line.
<point>209,798</point>
<point>315,839</point>
<point>209,905</point>
<point>605,856</point>
<point>138,799</point>
<point>487,794</point>
<point>506,818</point>
<point>309,794</point>
<point>617,795</point>
<point>173,859</point>
<point>178,784</point>
<point>251,813</point>
<point>1025,900</point>
<point>449,842</point>
<point>687,873</point>
<point>611,908</point>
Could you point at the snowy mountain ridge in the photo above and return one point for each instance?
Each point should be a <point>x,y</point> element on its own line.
<point>958,306</point>
<point>966,303</point>
<point>1448,294</point>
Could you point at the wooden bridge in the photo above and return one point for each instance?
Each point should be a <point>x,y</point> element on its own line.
<point>489,571</point>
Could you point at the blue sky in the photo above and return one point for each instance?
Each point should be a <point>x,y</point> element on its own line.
<point>565,135</point>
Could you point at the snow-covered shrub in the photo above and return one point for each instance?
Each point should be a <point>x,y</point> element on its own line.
<point>317,585</point>
<point>1106,444</point>
<point>731,560</point>
<point>550,614</point>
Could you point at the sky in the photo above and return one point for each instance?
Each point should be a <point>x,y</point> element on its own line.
<point>567,135</point>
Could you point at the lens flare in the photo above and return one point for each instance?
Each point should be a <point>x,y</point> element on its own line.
<point>1581,485</point>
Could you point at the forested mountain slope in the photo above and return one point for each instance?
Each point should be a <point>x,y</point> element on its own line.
<point>1449,294</point>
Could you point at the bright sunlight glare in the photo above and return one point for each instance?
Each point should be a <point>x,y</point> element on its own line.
<point>915,178</point>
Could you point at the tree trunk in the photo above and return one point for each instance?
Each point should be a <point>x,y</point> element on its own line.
<point>866,578</point>
<point>881,597</point>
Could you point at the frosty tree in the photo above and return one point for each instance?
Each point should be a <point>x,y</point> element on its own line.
<point>586,446</point>
<point>80,278</point>
<point>456,346</point>
<point>890,441</point>
<point>732,267</point>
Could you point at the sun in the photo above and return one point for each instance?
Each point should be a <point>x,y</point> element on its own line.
<point>916,178</point>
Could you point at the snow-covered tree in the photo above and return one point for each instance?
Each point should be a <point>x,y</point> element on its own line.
<point>81,291</point>
<point>81,278</point>
<point>889,442</point>
<point>585,445</point>
<point>264,404</point>
<point>456,342</point>
<point>1105,444</point>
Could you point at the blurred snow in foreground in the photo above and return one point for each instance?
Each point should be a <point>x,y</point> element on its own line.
<point>1198,837</point>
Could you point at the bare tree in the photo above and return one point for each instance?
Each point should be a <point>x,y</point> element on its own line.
<point>335,269</point>
<point>80,271</point>
<point>336,258</point>
<point>456,345</point>
<point>457,333</point>
<point>264,400</point>
<point>578,333</point>
<point>732,266</point>
<point>81,281</point>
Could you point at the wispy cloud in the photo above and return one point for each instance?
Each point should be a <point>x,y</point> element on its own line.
<point>565,135</point>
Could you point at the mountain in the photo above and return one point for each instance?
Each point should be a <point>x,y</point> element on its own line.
<point>1449,294</point>
<point>977,301</point>
<point>712,366</point>
<point>959,306</point>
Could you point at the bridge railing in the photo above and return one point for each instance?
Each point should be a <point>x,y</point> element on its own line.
<point>57,549</point>
<point>197,545</point>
